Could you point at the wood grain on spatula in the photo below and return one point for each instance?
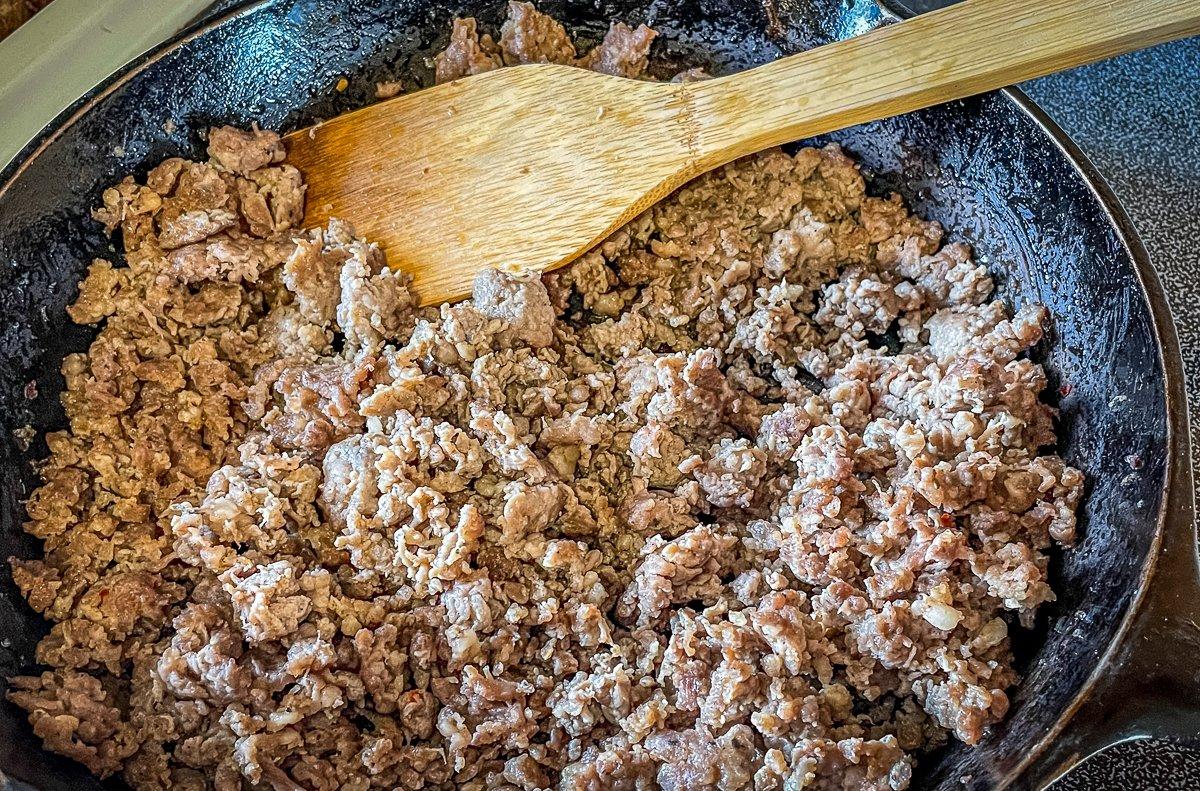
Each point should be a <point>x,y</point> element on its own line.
<point>526,168</point>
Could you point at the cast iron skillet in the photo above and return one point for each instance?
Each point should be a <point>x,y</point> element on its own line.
<point>1112,658</point>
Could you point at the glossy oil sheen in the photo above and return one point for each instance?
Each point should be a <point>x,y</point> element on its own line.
<point>985,168</point>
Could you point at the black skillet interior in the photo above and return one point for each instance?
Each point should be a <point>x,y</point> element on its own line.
<point>985,168</point>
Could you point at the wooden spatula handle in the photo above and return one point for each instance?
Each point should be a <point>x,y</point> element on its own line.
<point>965,49</point>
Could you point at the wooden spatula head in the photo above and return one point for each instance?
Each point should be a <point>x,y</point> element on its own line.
<point>520,169</point>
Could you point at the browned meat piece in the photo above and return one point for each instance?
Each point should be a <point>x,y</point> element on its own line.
<point>268,599</point>
<point>467,53</point>
<point>123,602</point>
<point>318,403</point>
<point>656,453</point>
<point>178,228</point>
<point>75,716</point>
<point>163,177</point>
<point>224,258</point>
<point>731,474</point>
<point>948,277</point>
<point>675,572</point>
<point>688,393</point>
<point>375,301</point>
<point>693,760</point>
<point>523,305</point>
<point>256,510</point>
<point>203,204</point>
<point>625,52</point>
<point>201,663</point>
<point>782,431</point>
<point>97,293</point>
<point>311,274</point>
<point>243,151</point>
<point>130,207</point>
<point>618,768</point>
<point>485,711</point>
<point>966,709</point>
<point>272,200</point>
<point>529,36</point>
<point>859,764</point>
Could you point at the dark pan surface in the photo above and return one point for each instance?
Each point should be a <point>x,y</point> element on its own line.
<point>985,168</point>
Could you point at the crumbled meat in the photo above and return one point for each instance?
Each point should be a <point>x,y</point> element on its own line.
<point>467,53</point>
<point>265,599</point>
<point>625,52</point>
<point>272,200</point>
<point>523,305</point>
<point>375,301</point>
<point>666,518</point>
<point>244,151</point>
<point>317,403</point>
<point>74,716</point>
<point>731,474</point>
<point>529,36</point>
<point>676,572</point>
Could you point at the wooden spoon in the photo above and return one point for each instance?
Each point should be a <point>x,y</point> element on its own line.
<point>526,168</point>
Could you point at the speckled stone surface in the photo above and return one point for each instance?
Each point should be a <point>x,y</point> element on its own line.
<point>1138,118</point>
<point>1144,764</point>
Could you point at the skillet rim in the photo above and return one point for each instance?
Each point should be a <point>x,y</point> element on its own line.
<point>1176,504</point>
<point>1177,486</point>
